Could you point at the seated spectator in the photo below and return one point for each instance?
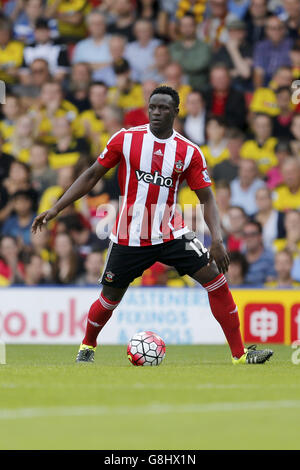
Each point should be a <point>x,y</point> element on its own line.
<point>67,149</point>
<point>18,224</point>
<point>295,60</point>
<point>24,25</point>
<point>31,83</point>
<point>193,54</point>
<point>11,53</point>
<point>11,267</point>
<point>237,269</point>
<point>282,122</point>
<point>283,268</point>
<point>213,29</point>
<point>175,79</point>
<point>236,54</point>
<point>139,116</point>
<point>5,162</point>
<point>112,119</point>
<point>70,17</point>
<point>244,187</point>
<point>11,111</point>
<point>260,260</point>
<point>195,120</point>
<point>223,100</point>
<point>261,148</point>
<point>140,53</point>
<point>78,86</point>
<point>270,219</point>
<point>41,175</point>
<point>44,47</point>
<point>291,17</point>
<point>223,195</point>
<point>51,105</point>
<point>255,19</point>
<point>228,169</point>
<point>33,270</point>
<point>237,220</point>
<point>126,94</point>
<point>272,52</point>
<point>68,265</point>
<point>156,71</point>
<point>123,23</point>
<point>295,129</point>
<point>93,266</point>
<point>287,196</point>
<point>40,245</point>
<point>94,50</point>
<point>274,175</point>
<point>22,138</point>
<point>215,150</point>
<point>291,239</point>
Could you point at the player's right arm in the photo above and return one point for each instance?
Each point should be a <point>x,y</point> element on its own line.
<point>81,186</point>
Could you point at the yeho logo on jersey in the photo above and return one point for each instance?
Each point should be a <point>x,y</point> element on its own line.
<point>155,178</point>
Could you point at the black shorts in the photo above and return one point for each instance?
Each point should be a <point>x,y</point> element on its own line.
<point>125,263</point>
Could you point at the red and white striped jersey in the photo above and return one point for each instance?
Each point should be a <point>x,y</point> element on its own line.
<point>150,173</point>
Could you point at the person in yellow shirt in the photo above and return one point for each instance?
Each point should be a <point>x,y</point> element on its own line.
<point>11,110</point>
<point>291,242</point>
<point>126,94</point>
<point>215,151</point>
<point>22,138</point>
<point>70,15</point>
<point>11,53</point>
<point>287,195</point>
<point>283,264</point>
<point>50,106</point>
<point>261,148</point>
<point>175,79</point>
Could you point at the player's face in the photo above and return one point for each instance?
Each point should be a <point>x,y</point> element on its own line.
<point>162,112</point>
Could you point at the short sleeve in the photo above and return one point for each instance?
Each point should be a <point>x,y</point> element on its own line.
<point>196,174</point>
<point>112,153</point>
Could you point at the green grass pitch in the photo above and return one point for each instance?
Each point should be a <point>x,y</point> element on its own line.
<point>194,400</point>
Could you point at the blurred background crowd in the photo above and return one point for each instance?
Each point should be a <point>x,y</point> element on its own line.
<point>76,71</point>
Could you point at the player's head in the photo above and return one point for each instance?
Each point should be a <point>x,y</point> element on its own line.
<point>163,107</point>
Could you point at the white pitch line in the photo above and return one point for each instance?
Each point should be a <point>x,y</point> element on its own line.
<point>154,408</point>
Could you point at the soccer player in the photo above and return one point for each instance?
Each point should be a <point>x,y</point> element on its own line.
<point>154,159</point>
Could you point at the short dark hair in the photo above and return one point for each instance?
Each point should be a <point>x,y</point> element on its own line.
<point>238,258</point>
<point>256,223</point>
<point>167,90</point>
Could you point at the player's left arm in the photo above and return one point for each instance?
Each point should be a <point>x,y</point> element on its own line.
<point>212,219</point>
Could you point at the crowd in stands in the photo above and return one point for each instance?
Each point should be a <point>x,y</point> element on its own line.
<point>76,71</point>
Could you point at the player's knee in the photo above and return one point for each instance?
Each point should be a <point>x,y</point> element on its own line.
<point>113,293</point>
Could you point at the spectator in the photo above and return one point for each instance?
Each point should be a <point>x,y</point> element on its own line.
<point>295,60</point>
<point>270,219</point>
<point>237,269</point>
<point>256,20</point>
<point>156,71</point>
<point>93,266</point>
<point>5,162</point>
<point>272,52</point>
<point>236,54</point>
<point>139,116</point>
<point>223,195</point>
<point>195,120</point>
<point>22,138</point>
<point>274,175</point>
<point>41,175</point>
<point>287,196</point>
<point>140,53</point>
<point>11,110</point>
<point>126,94</point>
<point>175,79</point>
<point>282,122</point>
<point>283,268</point>
<point>31,83</point>
<point>24,25</point>
<point>123,23</point>
<point>48,49</point>
<point>40,245</point>
<point>19,224</point>
<point>295,129</point>
<point>11,268</point>
<point>83,238</point>
<point>213,29</point>
<point>237,220</point>
<point>260,260</point>
<point>67,149</point>
<point>215,151</point>
<point>291,17</point>
<point>228,169</point>
<point>291,240</point>
<point>78,86</point>
<point>112,119</point>
<point>94,50</point>
<point>243,188</point>
<point>261,147</point>
<point>33,270</point>
<point>191,53</point>
<point>70,17</point>
<point>223,100</point>
<point>68,265</point>
<point>11,52</point>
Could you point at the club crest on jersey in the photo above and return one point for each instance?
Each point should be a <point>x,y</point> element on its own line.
<point>155,178</point>
<point>109,276</point>
<point>179,166</point>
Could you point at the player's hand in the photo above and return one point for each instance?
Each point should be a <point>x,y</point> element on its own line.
<point>220,255</point>
<point>43,218</point>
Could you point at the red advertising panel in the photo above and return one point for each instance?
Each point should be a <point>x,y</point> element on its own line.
<point>264,323</point>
